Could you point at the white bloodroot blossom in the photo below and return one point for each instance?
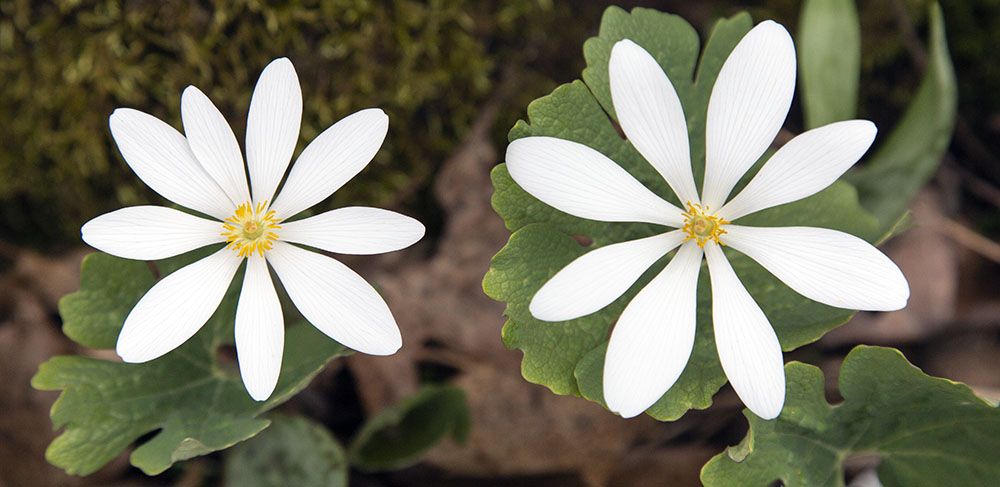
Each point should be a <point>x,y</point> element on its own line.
<point>652,340</point>
<point>204,171</point>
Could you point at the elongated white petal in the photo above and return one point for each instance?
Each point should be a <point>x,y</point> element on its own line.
<point>651,115</point>
<point>162,159</point>
<point>749,103</point>
<point>332,159</point>
<point>260,331</point>
<point>175,308</point>
<point>583,182</point>
<point>748,348</point>
<point>272,127</point>
<point>600,276</point>
<point>336,300</point>
<point>150,232</point>
<point>828,266</point>
<point>355,230</point>
<point>804,166</point>
<point>652,341</point>
<point>213,143</point>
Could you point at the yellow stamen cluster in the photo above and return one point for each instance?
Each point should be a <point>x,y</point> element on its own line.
<point>251,230</point>
<point>701,226</point>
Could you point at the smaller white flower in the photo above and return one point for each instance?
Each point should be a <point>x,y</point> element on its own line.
<point>652,340</point>
<point>204,171</point>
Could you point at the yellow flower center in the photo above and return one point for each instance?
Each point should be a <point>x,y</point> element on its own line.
<point>251,230</point>
<point>702,226</point>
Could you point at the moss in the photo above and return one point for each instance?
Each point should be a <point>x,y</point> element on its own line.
<point>66,65</point>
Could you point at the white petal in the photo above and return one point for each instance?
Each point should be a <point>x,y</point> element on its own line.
<point>175,308</point>
<point>162,159</point>
<point>150,232</point>
<point>828,266</point>
<point>600,276</point>
<point>583,182</point>
<point>651,115</point>
<point>272,127</point>
<point>213,143</point>
<point>652,341</point>
<point>332,159</point>
<point>355,230</point>
<point>804,166</point>
<point>749,103</point>
<point>336,300</point>
<point>748,348</point>
<point>260,331</point>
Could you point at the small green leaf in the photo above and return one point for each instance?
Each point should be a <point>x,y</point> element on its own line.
<point>913,151</point>
<point>197,404</point>
<point>829,52</point>
<point>568,356</point>
<point>399,435</point>
<point>292,451</point>
<point>109,288</point>
<point>928,431</point>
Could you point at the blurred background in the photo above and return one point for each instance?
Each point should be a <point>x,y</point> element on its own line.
<point>454,76</point>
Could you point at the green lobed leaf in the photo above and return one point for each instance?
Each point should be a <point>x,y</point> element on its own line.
<point>568,356</point>
<point>928,432</point>
<point>829,55</point>
<point>194,402</point>
<point>109,288</point>
<point>913,151</point>
<point>292,451</point>
<point>399,435</point>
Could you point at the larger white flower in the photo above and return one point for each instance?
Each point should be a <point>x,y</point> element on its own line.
<point>204,171</point>
<point>653,338</point>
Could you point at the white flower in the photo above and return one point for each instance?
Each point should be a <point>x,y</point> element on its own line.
<point>653,338</point>
<point>205,172</point>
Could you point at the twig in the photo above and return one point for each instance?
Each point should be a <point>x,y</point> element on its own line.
<point>970,239</point>
<point>961,234</point>
<point>972,146</point>
<point>975,184</point>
